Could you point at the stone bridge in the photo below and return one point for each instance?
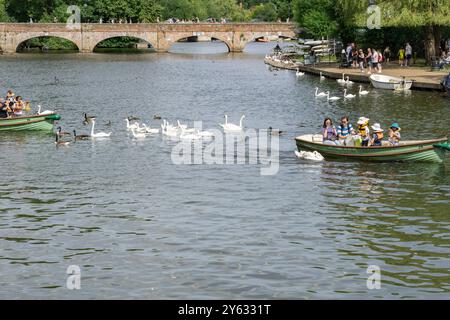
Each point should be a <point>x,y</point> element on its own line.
<point>161,36</point>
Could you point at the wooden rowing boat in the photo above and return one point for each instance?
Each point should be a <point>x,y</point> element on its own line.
<point>29,123</point>
<point>407,151</point>
<point>390,83</point>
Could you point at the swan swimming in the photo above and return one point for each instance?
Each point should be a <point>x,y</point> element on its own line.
<point>99,134</point>
<point>363,92</point>
<point>313,156</point>
<point>341,81</point>
<point>348,82</point>
<point>321,76</point>
<point>299,74</point>
<point>137,135</point>
<point>43,113</point>
<point>321,94</point>
<point>134,125</point>
<point>331,98</point>
<point>348,96</point>
<point>230,127</point>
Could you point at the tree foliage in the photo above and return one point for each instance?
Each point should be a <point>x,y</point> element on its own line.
<point>144,10</point>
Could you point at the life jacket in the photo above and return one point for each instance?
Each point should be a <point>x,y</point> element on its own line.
<point>380,135</point>
<point>362,129</point>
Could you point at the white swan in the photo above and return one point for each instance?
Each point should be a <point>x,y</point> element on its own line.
<point>189,136</point>
<point>169,130</point>
<point>363,92</point>
<point>313,156</point>
<point>341,81</point>
<point>299,74</point>
<point>181,126</point>
<point>348,96</point>
<point>230,127</point>
<point>137,135</point>
<point>321,94</point>
<point>347,81</point>
<point>331,98</point>
<point>148,129</point>
<point>99,134</point>
<point>43,113</point>
<point>134,125</point>
<point>321,76</point>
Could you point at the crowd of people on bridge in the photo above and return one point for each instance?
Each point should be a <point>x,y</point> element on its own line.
<point>12,105</point>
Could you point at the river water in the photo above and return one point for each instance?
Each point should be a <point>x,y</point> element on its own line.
<point>139,226</point>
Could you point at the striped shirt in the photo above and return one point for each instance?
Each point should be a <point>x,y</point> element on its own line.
<point>345,131</point>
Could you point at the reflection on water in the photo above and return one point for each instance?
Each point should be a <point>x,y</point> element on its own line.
<point>141,227</point>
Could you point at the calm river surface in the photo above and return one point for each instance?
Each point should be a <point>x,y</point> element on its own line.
<point>139,226</point>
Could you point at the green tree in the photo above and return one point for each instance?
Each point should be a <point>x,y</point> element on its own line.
<point>265,12</point>
<point>318,17</point>
<point>3,14</point>
<point>430,15</point>
<point>319,24</point>
<point>150,10</point>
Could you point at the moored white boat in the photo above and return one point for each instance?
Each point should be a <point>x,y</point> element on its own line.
<point>390,83</point>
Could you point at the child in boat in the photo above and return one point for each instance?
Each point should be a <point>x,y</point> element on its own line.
<point>377,135</point>
<point>344,131</point>
<point>394,134</point>
<point>18,107</point>
<point>329,132</point>
<point>363,131</point>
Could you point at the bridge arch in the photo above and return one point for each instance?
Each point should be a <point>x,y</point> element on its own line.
<point>92,41</point>
<point>255,36</point>
<point>22,38</point>
<point>172,39</point>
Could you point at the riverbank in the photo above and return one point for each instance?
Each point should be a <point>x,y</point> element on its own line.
<point>423,77</point>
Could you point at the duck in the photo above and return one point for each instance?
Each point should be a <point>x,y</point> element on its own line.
<point>341,81</point>
<point>138,135</point>
<point>62,133</point>
<point>43,113</point>
<point>363,92</point>
<point>299,74</point>
<point>88,119</point>
<point>61,143</point>
<point>313,156</point>
<point>99,134</point>
<point>130,126</point>
<point>348,96</point>
<point>108,124</point>
<point>347,81</point>
<point>230,127</point>
<point>275,132</point>
<point>321,76</point>
<point>321,94</point>
<point>133,118</point>
<point>81,136</point>
<point>156,117</point>
<point>331,98</point>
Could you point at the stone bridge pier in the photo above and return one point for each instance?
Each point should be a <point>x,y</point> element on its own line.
<point>161,36</point>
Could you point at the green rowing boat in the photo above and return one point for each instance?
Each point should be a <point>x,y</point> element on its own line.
<point>406,151</point>
<point>29,123</point>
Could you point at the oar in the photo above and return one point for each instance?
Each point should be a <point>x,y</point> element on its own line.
<point>444,146</point>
